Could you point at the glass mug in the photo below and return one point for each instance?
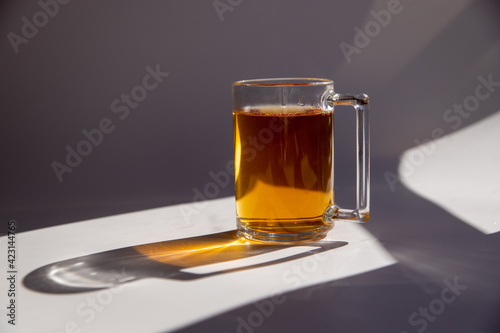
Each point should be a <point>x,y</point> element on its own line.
<point>283,150</point>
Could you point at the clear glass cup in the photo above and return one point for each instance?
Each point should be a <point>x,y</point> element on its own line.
<point>284,148</point>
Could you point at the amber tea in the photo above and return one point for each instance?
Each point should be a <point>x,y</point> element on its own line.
<point>283,168</point>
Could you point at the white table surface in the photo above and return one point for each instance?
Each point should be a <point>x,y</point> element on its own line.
<point>162,304</point>
<point>460,172</point>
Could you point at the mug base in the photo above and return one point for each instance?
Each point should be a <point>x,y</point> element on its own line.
<point>300,234</point>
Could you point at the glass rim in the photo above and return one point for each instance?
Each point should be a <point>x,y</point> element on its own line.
<point>283,82</point>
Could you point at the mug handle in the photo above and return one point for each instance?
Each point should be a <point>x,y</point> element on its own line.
<point>361,213</point>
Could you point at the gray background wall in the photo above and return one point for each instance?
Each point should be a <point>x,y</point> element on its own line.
<point>64,78</point>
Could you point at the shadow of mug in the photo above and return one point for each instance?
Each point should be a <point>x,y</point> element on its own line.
<point>181,259</point>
